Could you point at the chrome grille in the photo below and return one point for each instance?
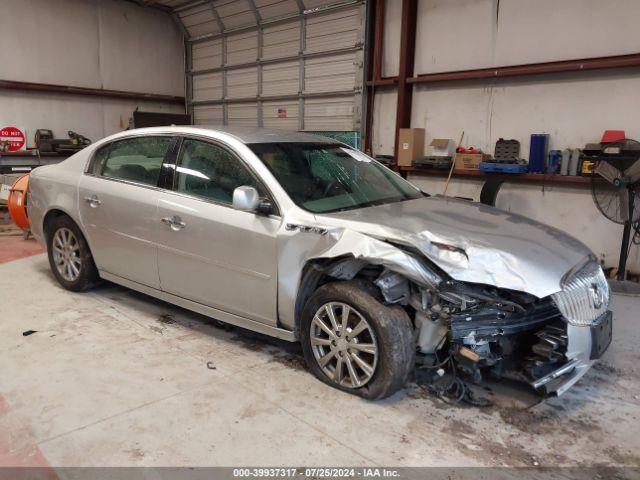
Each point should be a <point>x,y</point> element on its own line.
<point>585,296</point>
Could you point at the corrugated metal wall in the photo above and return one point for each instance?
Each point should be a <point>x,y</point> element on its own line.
<point>290,64</point>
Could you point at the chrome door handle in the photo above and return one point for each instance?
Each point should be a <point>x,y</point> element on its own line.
<point>93,201</point>
<point>174,222</point>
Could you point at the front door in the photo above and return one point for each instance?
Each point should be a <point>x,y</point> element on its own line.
<point>208,252</point>
<point>118,199</point>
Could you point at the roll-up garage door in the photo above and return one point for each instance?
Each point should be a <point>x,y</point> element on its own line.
<point>288,64</point>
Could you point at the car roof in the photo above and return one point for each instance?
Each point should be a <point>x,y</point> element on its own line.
<point>264,135</point>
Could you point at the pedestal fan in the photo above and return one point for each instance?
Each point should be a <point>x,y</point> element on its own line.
<point>615,187</point>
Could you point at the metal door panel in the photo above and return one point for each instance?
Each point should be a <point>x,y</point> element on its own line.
<point>207,87</point>
<point>281,40</point>
<point>242,83</point>
<point>332,113</point>
<point>121,227</point>
<point>243,115</point>
<point>269,9</point>
<point>282,78</point>
<point>223,258</point>
<point>334,30</point>
<point>242,48</point>
<point>235,14</point>
<point>199,20</point>
<point>330,74</point>
<point>208,115</point>
<point>280,115</point>
<point>207,55</point>
<point>290,60</point>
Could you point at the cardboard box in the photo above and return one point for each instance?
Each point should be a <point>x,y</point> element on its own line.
<point>442,147</point>
<point>470,161</point>
<point>410,146</point>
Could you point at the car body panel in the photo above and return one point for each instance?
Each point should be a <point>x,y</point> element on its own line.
<point>491,246</point>
<point>304,242</point>
<point>122,238</point>
<point>222,257</point>
<point>218,314</point>
<point>52,189</point>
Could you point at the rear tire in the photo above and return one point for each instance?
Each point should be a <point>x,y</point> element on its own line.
<point>371,354</point>
<point>69,255</point>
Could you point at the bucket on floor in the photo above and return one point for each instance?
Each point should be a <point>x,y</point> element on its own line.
<point>18,202</point>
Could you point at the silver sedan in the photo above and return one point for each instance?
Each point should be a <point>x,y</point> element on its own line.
<point>306,239</point>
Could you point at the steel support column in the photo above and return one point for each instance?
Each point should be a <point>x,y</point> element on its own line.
<point>302,72</point>
<point>225,109</point>
<point>375,38</point>
<point>405,71</point>
<point>259,104</point>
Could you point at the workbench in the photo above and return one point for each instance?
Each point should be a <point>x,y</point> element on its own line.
<point>25,161</point>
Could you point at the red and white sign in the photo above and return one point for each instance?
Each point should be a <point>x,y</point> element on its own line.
<point>14,138</point>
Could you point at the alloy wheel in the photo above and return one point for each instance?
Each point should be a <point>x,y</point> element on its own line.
<point>66,254</point>
<point>344,345</point>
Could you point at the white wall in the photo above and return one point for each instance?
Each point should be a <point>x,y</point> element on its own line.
<point>573,108</point>
<point>109,44</point>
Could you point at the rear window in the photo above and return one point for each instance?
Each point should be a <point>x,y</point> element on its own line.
<point>134,159</point>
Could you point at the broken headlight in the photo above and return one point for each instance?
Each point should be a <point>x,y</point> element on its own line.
<point>584,297</point>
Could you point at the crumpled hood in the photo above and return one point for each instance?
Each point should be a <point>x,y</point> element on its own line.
<point>473,242</point>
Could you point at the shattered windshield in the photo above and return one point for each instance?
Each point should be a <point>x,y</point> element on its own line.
<point>323,178</point>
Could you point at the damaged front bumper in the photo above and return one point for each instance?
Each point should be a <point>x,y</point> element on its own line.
<point>539,346</point>
<point>585,345</point>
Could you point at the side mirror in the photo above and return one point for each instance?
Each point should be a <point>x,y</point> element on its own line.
<point>248,199</point>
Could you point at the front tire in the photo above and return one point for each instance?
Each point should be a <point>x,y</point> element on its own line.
<point>354,343</point>
<point>69,255</point>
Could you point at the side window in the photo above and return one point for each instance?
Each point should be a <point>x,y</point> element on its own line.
<point>135,159</point>
<point>210,171</point>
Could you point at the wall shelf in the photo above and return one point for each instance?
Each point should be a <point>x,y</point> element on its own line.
<point>26,160</point>
<point>33,153</point>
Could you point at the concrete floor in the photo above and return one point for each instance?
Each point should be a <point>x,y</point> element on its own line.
<point>115,378</point>
<point>12,243</point>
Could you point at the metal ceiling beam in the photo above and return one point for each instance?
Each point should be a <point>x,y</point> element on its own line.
<point>216,16</point>
<point>152,4</point>
<point>256,12</point>
<point>187,4</point>
<point>178,22</point>
<point>301,7</point>
<point>190,5</point>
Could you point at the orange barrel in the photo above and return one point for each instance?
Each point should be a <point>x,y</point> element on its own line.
<point>18,202</point>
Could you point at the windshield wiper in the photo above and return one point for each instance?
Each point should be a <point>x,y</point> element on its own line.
<point>373,203</point>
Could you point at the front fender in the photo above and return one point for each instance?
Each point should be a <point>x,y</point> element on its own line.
<point>300,244</point>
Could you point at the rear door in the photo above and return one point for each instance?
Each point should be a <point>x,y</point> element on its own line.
<point>208,252</point>
<point>118,199</point>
